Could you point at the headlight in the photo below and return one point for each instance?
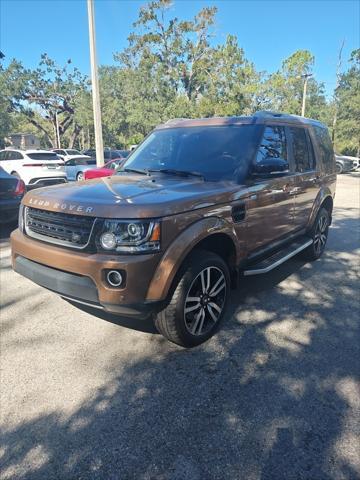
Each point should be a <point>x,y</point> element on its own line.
<point>133,236</point>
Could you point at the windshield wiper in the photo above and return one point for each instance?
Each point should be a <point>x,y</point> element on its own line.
<point>135,170</point>
<point>180,173</point>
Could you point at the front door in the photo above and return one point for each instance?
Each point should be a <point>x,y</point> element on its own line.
<point>70,169</point>
<point>271,200</point>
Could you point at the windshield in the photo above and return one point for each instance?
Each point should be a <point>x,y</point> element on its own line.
<point>73,152</point>
<point>217,153</point>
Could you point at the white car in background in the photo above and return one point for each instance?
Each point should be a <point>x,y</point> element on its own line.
<point>68,153</point>
<point>37,168</point>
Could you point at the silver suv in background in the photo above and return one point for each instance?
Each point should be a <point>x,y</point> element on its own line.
<point>345,164</point>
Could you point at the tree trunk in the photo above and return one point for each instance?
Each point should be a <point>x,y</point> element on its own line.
<point>74,136</point>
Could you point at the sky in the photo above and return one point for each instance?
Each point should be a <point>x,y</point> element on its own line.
<point>268,31</point>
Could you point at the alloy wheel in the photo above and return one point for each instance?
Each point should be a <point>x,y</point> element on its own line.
<point>205,301</point>
<point>321,234</point>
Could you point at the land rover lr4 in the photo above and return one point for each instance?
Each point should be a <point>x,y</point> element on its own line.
<point>198,202</point>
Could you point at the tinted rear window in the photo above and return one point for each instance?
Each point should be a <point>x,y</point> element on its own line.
<point>43,156</point>
<point>300,149</point>
<point>84,161</point>
<point>325,148</point>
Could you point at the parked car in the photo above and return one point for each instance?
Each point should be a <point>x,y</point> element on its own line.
<point>67,153</point>
<point>199,202</point>
<point>108,154</point>
<point>106,171</point>
<point>344,164</point>
<point>77,166</point>
<point>12,190</point>
<point>37,168</point>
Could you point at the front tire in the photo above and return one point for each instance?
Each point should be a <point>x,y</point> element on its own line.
<point>319,233</point>
<point>199,301</point>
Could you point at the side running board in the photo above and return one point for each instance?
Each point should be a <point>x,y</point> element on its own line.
<point>269,263</point>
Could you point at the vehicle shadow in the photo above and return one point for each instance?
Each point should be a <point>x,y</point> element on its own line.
<point>273,396</point>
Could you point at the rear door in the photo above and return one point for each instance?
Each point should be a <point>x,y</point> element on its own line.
<point>307,174</point>
<point>271,201</point>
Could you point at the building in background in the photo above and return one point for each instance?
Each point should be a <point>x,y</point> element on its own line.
<point>23,140</point>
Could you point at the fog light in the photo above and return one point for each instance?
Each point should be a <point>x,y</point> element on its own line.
<point>108,241</point>
<point>114,278</point>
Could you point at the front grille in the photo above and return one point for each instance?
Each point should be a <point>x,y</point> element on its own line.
<point>60,228</point>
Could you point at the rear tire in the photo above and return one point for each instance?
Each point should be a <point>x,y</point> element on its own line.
<point>339,168</point>
<point>198,301</point>
<point>80,177</point>
<point>319,233</point>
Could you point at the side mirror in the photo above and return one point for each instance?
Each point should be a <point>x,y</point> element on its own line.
<point>271,166</point>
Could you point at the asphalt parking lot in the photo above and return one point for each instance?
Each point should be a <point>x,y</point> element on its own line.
<point>275,395</point>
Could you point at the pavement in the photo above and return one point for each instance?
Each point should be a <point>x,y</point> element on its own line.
<point>275,395</point>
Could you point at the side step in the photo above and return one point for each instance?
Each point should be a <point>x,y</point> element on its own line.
<point>279,257</point>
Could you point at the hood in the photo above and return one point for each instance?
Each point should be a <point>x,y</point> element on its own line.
<point>132,196</point>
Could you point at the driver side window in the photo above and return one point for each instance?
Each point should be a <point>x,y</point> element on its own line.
<point>273,144</point>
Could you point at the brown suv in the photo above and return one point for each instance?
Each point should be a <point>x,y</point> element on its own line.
<point>195,204</point>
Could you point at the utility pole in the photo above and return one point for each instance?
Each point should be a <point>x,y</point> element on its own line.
<point>95,87</point>
<point>306,76</point>
<point>336,103</point>
<point>57,130</point>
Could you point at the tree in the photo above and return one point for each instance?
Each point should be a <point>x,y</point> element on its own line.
<point>347,139</point>
<point>230,83</point>
<point>176,50</point>
<point>10,85</point>
<point>50,92</point>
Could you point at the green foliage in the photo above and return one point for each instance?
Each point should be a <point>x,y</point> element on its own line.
<point>347,135</point>
<point>169,69</point>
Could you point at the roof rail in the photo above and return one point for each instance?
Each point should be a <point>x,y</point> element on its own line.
<point>269,113</point>
<point>172,120</point>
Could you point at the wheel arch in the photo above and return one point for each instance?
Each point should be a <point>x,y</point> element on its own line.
<point>210,234</point>
<point>324,199</point>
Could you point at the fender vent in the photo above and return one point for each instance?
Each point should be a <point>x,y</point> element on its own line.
<point>238,212</point>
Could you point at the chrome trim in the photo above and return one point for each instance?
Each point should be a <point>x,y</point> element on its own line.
<point>47,179</point>
<point>259,271</point>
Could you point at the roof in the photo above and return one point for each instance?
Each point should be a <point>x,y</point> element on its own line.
<point>34,150</point>
<point>260,117</point>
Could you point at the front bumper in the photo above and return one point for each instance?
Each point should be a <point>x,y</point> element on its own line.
<point>80,276</point>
